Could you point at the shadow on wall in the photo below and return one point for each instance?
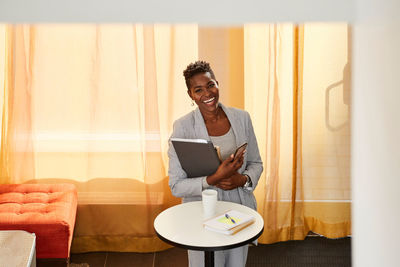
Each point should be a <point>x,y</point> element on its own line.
<point>345,84</point>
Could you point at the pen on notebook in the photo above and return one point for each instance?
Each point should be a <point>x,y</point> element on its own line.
<point>230,218</point>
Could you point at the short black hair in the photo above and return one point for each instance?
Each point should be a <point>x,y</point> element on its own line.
<point>196,68</point>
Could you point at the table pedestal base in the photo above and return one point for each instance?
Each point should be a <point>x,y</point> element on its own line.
<point>209,258</point>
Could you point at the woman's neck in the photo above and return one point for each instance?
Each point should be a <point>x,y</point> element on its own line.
<point>211,116</point>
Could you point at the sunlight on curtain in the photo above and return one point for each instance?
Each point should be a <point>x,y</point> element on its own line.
<point>326,129</point>
<point>269,100</point>
<point>17,152</point>
<point>302,73</point>
<point>173,55</point>
<point>2,68</point>
<point>97,103</point>
<point>96,109</point>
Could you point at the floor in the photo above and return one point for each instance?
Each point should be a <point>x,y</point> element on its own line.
<point>313,251</point>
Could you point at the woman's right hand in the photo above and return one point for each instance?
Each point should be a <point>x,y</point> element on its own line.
<point>226,169</point>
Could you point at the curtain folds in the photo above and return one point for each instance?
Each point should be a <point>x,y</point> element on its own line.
<point>302,73</point>
<point>16,158</point>
<point>94,105</point>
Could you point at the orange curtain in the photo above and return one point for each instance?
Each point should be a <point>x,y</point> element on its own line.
<point>16,158</point>
<point>297,86</point>
<point>93,105</point>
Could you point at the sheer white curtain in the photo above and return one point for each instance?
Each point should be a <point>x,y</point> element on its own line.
<point>297,88</point>
<point>93,105</point>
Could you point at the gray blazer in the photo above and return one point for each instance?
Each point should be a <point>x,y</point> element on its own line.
<point>192,126</point>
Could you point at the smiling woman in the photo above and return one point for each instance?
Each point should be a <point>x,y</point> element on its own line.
<point>236,177</point>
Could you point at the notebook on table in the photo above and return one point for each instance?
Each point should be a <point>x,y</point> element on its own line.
<point>230,222</point>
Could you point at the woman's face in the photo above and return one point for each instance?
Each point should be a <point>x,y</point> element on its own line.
<point>204,91</point>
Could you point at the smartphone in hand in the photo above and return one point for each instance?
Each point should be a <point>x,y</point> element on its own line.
<point>239,150</point>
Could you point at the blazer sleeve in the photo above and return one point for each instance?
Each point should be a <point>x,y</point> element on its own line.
<point>181,186</point>
<point>254,165</point>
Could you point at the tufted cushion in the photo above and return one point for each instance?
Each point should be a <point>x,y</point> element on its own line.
<point>48,210</point>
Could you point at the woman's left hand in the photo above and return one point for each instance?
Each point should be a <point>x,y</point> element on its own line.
<point>232,182</point>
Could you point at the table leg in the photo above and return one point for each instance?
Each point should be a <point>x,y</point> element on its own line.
<point>209,258</point>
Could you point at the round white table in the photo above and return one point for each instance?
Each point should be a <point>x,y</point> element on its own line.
<point>182,226</point>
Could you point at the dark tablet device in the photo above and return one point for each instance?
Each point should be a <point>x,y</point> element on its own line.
<point>198,157</point>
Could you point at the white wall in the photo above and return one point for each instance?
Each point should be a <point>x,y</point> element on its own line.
<point>375,115</point>
<point>150,11</point>
<point>376,134</point>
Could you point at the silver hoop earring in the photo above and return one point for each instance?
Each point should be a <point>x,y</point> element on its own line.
<point>192,103</point>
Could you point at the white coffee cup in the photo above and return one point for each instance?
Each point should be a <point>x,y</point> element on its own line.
<point>209,199</point>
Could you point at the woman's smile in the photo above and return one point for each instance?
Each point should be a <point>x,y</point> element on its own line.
<point>209,101</point>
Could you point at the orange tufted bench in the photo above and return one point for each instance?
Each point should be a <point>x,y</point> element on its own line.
<point>48,210</point>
